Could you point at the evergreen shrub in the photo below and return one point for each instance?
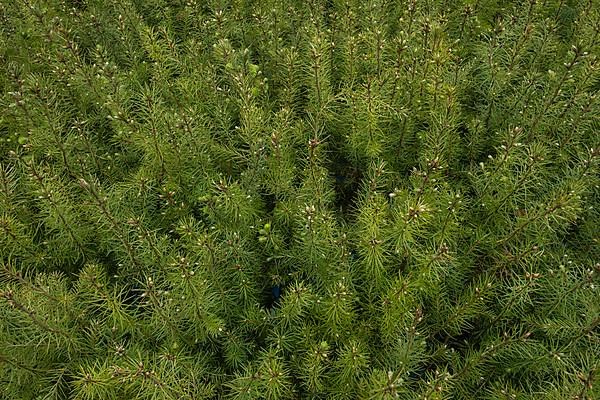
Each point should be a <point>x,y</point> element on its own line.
<point>301,199</point>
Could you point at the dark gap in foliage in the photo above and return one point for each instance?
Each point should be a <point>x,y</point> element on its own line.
<point>269,200</point>
<point>347,178</point>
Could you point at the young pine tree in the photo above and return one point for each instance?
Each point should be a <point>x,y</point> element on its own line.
<point>275,199</point>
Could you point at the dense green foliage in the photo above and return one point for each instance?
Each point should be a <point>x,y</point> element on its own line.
<point>276,199</point>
